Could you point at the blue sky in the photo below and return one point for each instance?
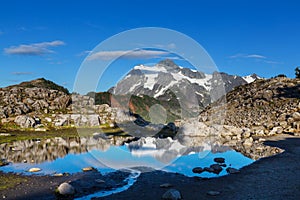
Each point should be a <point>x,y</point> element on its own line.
<point>50,38</point>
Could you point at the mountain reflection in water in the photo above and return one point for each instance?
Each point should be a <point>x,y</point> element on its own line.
<point>59,155</point>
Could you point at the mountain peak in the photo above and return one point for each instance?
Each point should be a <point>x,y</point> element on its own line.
<point>251,78</point>
<point>168,64</point>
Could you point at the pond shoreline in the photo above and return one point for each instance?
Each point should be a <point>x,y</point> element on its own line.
<point>273,177</point>
<point>19,134</point>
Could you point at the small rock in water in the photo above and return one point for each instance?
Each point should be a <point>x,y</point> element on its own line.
<point>66,189</point>
<point>198,170</point>
<point>232,170</point>
<point>58,175</point>
<point>34,169</point>
<point>172,194</point>
<point>208,169</point>
<point>217,168</point>
<point>213,193</point>
<point>219,160</point>
<point>86,169</point>
<point>166,185</point>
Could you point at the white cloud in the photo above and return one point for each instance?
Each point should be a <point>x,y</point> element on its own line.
<point>139,54</point>
<point>273,62</point>
<point>83,53</point>
<point>257,56</point>
<point>35,49</point>
<point>21,73</point>
<point>166,46</point>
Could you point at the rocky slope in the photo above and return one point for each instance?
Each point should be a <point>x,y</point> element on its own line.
<point>39,96</point>
<point>266,107</point>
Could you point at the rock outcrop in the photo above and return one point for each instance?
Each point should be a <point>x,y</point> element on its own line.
<point>32,97</point>
<point>266,107</point>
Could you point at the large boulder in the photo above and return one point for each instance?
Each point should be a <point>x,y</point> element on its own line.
<point>94,120</point>
<point>66,189</point>
<point>61,102</point>
<point>296,116</point>
<point>62,120</point>
<point>25,121</point>
<point>172,194</point>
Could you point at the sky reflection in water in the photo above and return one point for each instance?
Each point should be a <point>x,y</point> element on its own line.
<point>120,157</point>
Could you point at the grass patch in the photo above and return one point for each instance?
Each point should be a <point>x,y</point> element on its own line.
<point>63,132</point>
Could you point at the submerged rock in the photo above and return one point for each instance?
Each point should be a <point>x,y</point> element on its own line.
<point>172,194</point>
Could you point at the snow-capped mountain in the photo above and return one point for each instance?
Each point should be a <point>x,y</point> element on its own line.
<point>168,81</point>
<point>251,78</point>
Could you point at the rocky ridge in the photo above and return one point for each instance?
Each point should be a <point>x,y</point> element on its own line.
<point>265,107</point>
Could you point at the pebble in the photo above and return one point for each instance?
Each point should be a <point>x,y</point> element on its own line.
<point>99,181</point>
<point>213,193</point>
<point>166,185</point>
